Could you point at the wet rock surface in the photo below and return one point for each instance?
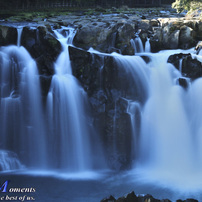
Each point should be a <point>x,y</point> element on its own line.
<point>43,47</point>
<point>103,81</point>
<point>190,66</point>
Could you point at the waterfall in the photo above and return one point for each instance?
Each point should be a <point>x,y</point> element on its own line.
<point>138,45</point>
<point>61,136</point>
<point>170,137</point>
<point>147,46</point>
<point>137,74</point>
<point>9,161</point>
<point>19,30</point>
<point>180,65</point>
<point>134,109</point>
<point>21,120</point>
<point>70,132</point>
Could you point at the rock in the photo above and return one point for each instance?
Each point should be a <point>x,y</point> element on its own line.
<point>183,82</point>
<point>198,47</point>
<point>109,199</point>
<point>191,67</point>
<point>175,59</point>
<point>170,37</point>
<point>105,37</point>
<point>144,25</point>
<point>156,40</point>
<point>187,200</point>
<point>96,36</point>
<point>104,81</point>
<point>42,46</point>
<point>131,197</point>
<point>154,23</point>
<point>191,23</point>
<point>199,31</point>
<point>8,35</point>
<point>86,68</point>
<point>125,33</point>
<point>186,37</point>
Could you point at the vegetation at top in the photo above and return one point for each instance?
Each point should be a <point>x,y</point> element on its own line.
<point>187,5</point>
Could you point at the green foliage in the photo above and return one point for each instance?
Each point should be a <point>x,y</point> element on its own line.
<point>188,5</point>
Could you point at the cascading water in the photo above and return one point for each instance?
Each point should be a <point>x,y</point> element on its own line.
<point>137,73</point>
<point>147,46</point>
<point>21,120</point>
<point>170,134</point>
<point>68,119</point>
<point>25,131</point>
<point>138,45</point>
<point>165,118</point>
<point>134,109</point>
<point>19,30</point>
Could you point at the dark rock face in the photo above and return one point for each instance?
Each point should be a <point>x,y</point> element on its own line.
<point>191,68</point>
<point>186,37</point>
<point>8,36</point>
<point>106,37</point>
<point>183,82</point>
<point>125,33</point>
<point>131,197</point>
<point>42,46</point>
<point>106,85</point>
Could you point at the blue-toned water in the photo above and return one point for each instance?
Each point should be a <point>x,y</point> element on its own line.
<point>56,145</point>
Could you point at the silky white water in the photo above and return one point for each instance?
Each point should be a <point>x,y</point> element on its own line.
<point>68,117</point>
<point>21,121</point>
<point>165,118</point>
<point>171,137</point>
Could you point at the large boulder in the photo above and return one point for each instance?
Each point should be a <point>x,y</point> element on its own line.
<point>43,46</point>
<point>191,67</point>
<point>108,90</point>
<point>94,35</point>
<point>125,33</point>
<point>186,37</point>
<point>156,40</point>
<point>170,37</point>
<point>105,37</point>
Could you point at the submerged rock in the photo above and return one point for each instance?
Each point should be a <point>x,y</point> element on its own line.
<point>183,82</point>
<point>108,199</point>
<point>132,197</point>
